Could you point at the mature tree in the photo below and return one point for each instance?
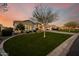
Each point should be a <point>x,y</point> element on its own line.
<point>71,25</point>
<point>4,7</point>
<point>44,15</point>
<point>20,27</point>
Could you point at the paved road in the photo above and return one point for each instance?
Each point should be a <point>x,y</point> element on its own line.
<point>74,50</point>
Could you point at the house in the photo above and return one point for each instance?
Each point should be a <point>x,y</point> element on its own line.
<point>67,28</point>
<point>29,25</point>
<point>0,27</point>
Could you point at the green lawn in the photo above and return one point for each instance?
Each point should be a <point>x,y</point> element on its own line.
<point>33,44</point>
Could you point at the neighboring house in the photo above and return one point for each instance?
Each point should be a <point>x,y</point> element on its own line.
<point>1,27</point>
<point>77,27</point>
<point>52,27</point>
<point>29,25</point>
<point>67,28</point>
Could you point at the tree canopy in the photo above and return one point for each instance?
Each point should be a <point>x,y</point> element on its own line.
<point>20,27</point>
<point>71,24</point>
<point>44,14</point>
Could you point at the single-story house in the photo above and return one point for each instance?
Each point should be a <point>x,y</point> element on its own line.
<point>1,27</point>
<point>29,25</point>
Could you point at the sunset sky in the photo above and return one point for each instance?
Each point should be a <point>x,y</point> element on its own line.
<point>23,11</point>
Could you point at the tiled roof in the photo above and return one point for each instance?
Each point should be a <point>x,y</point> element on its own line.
<point>24,21</point>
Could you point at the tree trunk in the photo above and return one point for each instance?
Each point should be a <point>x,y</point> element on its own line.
<point>69,29</point>
<point>44,34</point>
<point>44,31</point>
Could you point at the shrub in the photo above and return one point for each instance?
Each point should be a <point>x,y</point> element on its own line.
<point>7,32</point>
<point>35,30</point>
<point>55,28</point>
<point>27,31</point>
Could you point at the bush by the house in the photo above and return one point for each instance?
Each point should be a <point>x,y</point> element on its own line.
<point>7,32</point>
<point>55,28</point>
<point>34,30</point>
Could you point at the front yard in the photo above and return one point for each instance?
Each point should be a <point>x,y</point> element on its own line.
<point>33,44</point>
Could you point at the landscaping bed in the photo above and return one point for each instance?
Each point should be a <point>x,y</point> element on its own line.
<point>33,44</point>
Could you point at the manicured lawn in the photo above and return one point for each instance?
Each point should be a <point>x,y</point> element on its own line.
<point>33,44</point>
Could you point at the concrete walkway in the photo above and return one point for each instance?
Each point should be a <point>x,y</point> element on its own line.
<point>74,50</point>
<point>60,32</point>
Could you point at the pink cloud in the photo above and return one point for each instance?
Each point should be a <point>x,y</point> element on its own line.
<point>75,11</point>
<point>61,5</point>
<point>24,11</point>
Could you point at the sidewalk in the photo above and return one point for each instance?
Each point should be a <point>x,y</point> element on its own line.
<point>60,32</point>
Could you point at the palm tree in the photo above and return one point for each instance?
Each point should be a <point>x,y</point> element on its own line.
<point>44,15</point>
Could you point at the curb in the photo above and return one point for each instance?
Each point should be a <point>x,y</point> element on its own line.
<point>63,48</point>
<point>3,53</point>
